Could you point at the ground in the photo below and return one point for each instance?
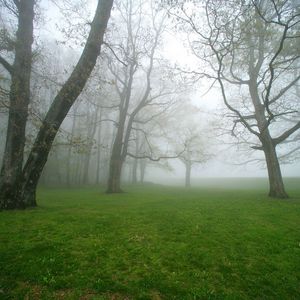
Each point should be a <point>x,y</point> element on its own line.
<point>154,242</point>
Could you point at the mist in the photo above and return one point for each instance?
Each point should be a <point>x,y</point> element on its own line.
<point>175,113</point>
<point>149,149</point>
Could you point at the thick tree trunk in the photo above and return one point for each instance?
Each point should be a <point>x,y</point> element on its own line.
<point>26,186</point>
<point>119,147</point>
<point>18,111</point>
<point>276,184</point>
<point>188,169</point>
<point>114,179</point>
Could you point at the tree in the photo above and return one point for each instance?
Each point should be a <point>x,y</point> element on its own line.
<point>196,152</point>
<point>132,73</point>
<point>250,47</point>
<point>190,134</point>
<point>17,185</point>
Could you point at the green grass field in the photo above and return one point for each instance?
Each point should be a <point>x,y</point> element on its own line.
<point>153,242</point>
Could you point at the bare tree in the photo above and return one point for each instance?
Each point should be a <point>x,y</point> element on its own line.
<point>251,47</point>
<point>133,75</point>
<point>196,151</point>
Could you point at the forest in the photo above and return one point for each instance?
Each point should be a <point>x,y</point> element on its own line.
<point>150,149</point>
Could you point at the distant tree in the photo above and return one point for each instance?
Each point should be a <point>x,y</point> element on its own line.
<point>190,134</point>
<point>17,184</point>
<point>196,151</point>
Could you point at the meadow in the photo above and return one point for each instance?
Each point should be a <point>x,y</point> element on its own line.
<point>226,241</point>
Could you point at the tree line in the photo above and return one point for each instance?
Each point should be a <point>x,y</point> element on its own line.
<point>127,91</point>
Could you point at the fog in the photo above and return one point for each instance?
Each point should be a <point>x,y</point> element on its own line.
<point>155,101</point>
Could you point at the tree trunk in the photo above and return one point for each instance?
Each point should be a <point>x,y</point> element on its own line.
<point>135,160</point>
<point>26,186</point>
<point>99,150</point>
<point>143,164</point>
<point>119,147</point>
<point>116,164</point>
<point>18,112</point>
<point>114,179</point>
<point>276,184</point>
<point>188,169</point>
<point>134,170</point>
<point>268,146</point>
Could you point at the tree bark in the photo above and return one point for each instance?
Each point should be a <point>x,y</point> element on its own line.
<point>114,179</point>
<point>116,163</point>
<point>276,185</point>
<point>99,150</point>
<point>18,112</point>
<point>26,186</point>
<point>119,148</point>
<point>135,160</point>
<point>188,169</point>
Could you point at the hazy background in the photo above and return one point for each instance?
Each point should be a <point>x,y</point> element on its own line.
<point>227,160</point>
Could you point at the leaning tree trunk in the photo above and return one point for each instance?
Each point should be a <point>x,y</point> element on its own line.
<point>188,169</point>
<point>18,112</point>
<point>276,184</point>
<point>61,105</point>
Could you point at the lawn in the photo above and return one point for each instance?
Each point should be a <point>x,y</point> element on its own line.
<point>153,242</point>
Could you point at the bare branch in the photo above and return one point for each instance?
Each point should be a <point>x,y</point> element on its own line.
<point>11,7</point>
<point>257,147</point>
<point>289,153</point>
<point>286,134</point>
<point>114,53</point>
<point>284,90</point>
<point>155,159</point>
<point>6,65</point>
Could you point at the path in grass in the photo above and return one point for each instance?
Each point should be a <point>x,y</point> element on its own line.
<point>152,243</point>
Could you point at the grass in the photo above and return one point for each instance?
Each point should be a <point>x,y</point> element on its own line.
<point>153,242</point>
